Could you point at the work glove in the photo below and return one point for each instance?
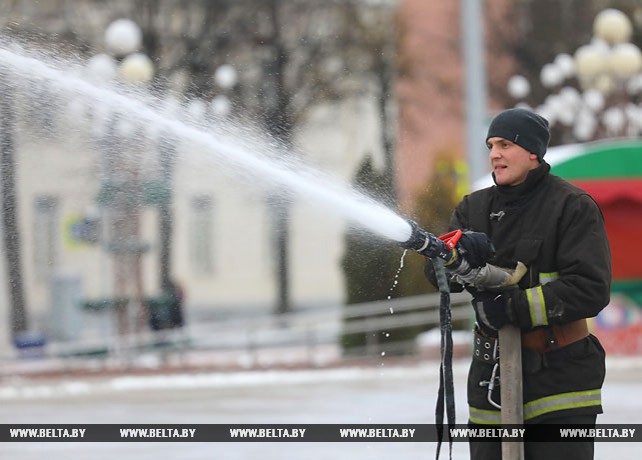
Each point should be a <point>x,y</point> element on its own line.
<point>476,248</point>
<point>494,308</point>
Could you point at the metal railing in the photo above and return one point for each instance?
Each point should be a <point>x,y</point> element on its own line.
<point>313,335</point>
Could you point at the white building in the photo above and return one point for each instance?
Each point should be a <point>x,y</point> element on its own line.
<point>222,248</point>
<point>222,234</point>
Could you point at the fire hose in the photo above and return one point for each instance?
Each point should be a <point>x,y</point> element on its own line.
<point>450,256</point>
<point>456,261</point>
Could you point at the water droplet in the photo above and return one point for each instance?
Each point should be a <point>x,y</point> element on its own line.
<point>383,353</point>
<point>396,280</point>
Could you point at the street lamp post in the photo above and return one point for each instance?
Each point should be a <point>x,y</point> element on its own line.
<point>136,69</point>
<point>123,38</point>
<point>594,92</point>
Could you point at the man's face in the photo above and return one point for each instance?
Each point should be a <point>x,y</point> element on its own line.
<point>510,162</point>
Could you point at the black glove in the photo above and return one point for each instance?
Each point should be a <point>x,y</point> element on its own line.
<point>476,248</point>
<point>494,308</point>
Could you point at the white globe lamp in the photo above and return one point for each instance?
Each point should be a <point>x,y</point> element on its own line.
<point>613,26</point>
<point>136,68</point>
<point>225,76</point>
<point>123,36</point>
<point>518,87</point>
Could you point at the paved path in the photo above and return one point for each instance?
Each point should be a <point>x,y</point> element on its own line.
<point>380,394</point>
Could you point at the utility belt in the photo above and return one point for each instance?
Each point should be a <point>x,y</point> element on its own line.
<point>540,340</point>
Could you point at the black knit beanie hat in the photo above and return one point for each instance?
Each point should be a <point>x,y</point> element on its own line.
<point>522,127</point>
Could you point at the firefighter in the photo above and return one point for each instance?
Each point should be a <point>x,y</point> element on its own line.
<point>557,231</point>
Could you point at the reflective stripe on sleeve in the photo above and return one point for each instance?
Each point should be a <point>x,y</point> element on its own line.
<point>548,277</point>
<point>537,306</point>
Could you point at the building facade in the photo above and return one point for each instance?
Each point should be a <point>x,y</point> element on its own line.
<point>223,222</point>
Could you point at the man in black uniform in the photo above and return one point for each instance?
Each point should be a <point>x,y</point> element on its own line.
<point>557,231</point>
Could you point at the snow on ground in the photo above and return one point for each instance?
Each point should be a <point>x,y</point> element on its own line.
<point>383,394</point>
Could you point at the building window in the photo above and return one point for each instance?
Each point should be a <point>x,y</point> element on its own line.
<point>45,233</point>
<point>201,235</point>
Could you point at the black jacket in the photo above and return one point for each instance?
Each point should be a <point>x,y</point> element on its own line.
<point>557,230</point>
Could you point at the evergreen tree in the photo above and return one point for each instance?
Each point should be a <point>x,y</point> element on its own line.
<point>370,263</point>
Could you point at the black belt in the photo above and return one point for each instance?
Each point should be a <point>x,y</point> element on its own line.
<point>485,349</point>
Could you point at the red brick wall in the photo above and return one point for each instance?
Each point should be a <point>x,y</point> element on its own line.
<point>430,86</point>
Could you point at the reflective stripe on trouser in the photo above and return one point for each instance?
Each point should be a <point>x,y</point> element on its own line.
<point>532,409</point>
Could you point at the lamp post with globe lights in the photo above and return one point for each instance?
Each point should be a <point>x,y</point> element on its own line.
<point>123,62</point>
<point>122,191</point>
<point>595,92</point>
<point>225,78</point>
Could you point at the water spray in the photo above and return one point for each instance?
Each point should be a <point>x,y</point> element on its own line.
<point>459,250</point>
<point>257,162</point>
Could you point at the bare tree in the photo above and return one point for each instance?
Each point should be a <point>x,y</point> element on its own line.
<point>10,229</point>
<point>291,55</point>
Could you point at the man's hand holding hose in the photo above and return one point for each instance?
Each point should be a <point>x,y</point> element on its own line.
<point>466,259</point>
<point>494,308</point>
<point>465,255</point>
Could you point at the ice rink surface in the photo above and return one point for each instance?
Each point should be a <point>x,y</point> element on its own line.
<point>382,394</point>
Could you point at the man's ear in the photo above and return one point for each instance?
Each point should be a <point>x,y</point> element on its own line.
<point>533,157</point>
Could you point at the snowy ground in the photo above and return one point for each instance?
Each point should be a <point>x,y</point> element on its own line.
<point>352,395</point>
